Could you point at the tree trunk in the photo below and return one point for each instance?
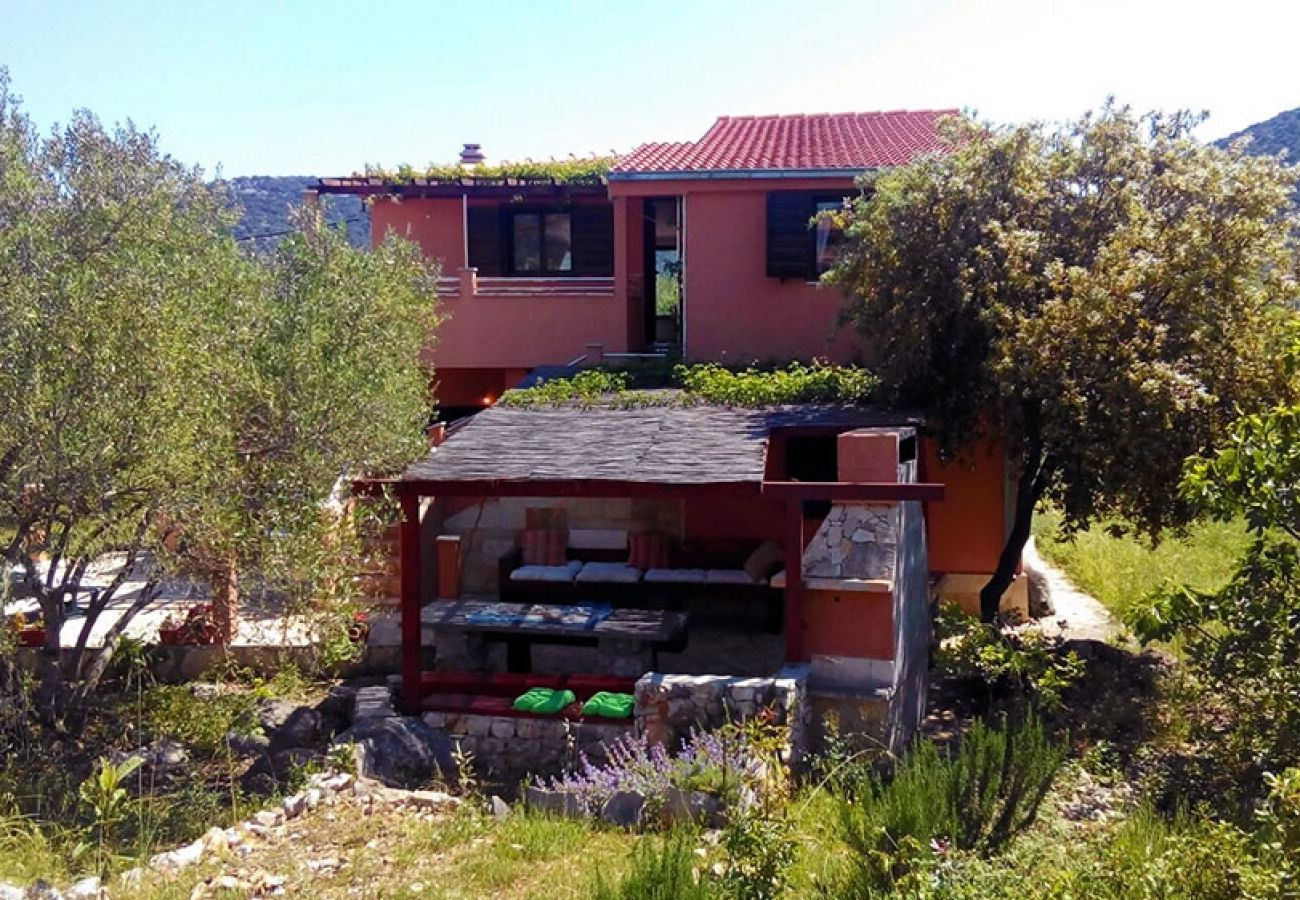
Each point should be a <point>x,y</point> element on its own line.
<point>225,600</point>
<point>1029,490</point>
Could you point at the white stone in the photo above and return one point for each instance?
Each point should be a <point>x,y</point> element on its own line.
<point>431,800</point>
<point>11,892</point>
<point>175,860</point>
<point>86,889</point>
<point>294,806</point>
<point>336,783</point>
<point>500,808</point>
<point>215,841</point>
<point>269,818</point>
<point>314,798</point>
<point>503,728</point>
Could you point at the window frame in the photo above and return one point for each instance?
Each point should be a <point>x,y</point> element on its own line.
<point>816,199</point>
<point>539,213</point>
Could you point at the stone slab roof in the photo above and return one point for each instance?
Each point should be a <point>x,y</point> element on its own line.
<point>665,444</point>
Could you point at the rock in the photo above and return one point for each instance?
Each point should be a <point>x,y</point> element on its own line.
<point>337,707</point>
<point>86,889</point>
<point>313,797</point>
<point>294,806</point>
<point>288,725</point>
<point>274,769</point>
<point>500,808</point>
<point>692,806</point>
<point>400,751</point>
<point>623,809</point>
<point>216,841</point>
<point>430,800</point>
<point>11,891</point>
<point>247,745</point>
<point>560,803</point>
<point>336,783</point>
<point>43,890</point>
<point>205,690</point>
<point>175,860</point>
<point>374,702</point>
<point>161,762</point>
<point>269,818</point>
<point>1040,594</point>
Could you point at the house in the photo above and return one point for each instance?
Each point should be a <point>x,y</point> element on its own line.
<point>702,250</point>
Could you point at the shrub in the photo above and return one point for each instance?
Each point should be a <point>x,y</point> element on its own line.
<point>796,383</point>
<point>1023,661</point>
<point>976,800</point>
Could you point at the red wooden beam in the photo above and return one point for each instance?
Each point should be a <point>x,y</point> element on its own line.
<point>409,550</point>
<point>852,490</point>
<point>794,541</point>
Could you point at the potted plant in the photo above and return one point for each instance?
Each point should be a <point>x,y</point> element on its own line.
<point>198,627</point>
<point>359,630</point>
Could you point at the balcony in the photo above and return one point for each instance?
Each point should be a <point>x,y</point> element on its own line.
<point>467,284</point>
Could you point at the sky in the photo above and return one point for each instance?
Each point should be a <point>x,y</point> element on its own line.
<point>275,87</point>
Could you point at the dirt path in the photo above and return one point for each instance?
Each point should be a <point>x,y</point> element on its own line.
<point>1078,616</point>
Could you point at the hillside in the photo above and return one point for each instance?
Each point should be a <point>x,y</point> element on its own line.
<point>267,199</point>
<point>1272,136</point>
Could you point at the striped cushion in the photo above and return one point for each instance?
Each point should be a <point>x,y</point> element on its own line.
<point>543,547</point>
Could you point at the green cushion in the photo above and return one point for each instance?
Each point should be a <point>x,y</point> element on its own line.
<point>611,706</point>
<point>544,700</point>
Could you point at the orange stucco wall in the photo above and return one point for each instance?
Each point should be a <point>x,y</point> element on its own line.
<point>733,311</point>
<point>966,530</point>
<point>495,332</point>
<point>858,624</point>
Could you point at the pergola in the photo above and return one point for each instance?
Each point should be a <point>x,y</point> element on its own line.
<point>664,449</point>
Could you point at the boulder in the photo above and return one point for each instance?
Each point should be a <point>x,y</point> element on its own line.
<point>273,769</point>
<point>162,762</point>
<point>559,803</point>
<point>1040,594</point>
<point>247,745</point>
<point>288,725</point>
<point>401,751</point>
<point>624,809</point>
<point>698,807</point>
<point>336,708</point>
<point>11,891</point>
<point>86,889</point>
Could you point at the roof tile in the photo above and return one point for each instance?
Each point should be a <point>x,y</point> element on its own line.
<point>796,142</point>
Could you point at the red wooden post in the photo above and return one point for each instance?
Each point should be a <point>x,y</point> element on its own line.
<point>794,542</point>
<point>409,550</point>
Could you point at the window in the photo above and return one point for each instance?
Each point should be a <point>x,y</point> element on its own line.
<point>799,243</point>
<point>541,242</point>
<point>574,240</point>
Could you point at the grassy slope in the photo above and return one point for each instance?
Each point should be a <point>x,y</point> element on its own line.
<point>1120,571</point>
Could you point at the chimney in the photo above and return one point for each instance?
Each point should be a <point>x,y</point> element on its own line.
<point>472,155</point>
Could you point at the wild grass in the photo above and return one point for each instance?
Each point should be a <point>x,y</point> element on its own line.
<point>1121,571</point>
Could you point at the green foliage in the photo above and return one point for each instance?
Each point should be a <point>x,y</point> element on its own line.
<point>706,383</point>
<point>1105,297</point>
<point>760,851</point>
<point>108,802</point>
<point>976,800</point>
<point>1121,569</point>
<point>796,383</point>
<point>661,869</point>
<point>585,389</point>
<point>1026,661</point>
<point>591,170</point>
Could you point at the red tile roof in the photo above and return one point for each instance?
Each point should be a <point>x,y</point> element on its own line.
<point>837,141</point>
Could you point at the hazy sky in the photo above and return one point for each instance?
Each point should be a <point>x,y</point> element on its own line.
<point>276,87</point>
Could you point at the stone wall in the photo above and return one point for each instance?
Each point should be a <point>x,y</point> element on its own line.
<point>508,747</point>
<point>669,706</point>
<point>854,541</point>
<point>911,628</point>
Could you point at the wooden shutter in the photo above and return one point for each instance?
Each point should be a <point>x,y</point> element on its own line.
<point>593,239</point>
<point>484,239</point>
<point>789,247</point>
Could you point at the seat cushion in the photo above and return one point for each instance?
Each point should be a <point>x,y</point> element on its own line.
<point>608,573</point>
<point>729,576</point>
<point>561,574</point>
<point>676,576</point>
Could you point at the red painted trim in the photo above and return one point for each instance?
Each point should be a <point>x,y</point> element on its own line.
<point>409,550</point>
<point>574,488</point>
<point>794,541</point>
<point>852,490</point>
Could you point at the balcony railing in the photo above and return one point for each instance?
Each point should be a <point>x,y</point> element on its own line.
<point>468,283</point>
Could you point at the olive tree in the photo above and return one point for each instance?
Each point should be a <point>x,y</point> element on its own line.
<point>1103,296</point>
<point>168,399</point>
